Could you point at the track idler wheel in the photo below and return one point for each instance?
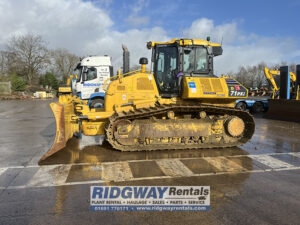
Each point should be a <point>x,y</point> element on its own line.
<point>235,126</point>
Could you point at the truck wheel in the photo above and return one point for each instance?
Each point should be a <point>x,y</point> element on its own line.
<point>258,107</point>
<point>241,105</point>
<point>97,103</point>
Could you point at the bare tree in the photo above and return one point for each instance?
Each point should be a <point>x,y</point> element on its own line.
<point>3,64</point>
<point>7,63</point>
<point>252,76</point>
<point>241,76</point>
<point>260,77</point>
<point>292,67</point>
<point>64,62</point>
<point>31,54</point>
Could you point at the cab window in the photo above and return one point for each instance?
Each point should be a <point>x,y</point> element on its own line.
<point>195,60</point>
<point>201,60</point>
<point>91,73</point>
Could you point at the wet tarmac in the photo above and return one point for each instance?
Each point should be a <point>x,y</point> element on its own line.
<point>257,183</point>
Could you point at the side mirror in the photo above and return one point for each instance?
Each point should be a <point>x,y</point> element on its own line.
<point>84,74</point>
<point>217,50</point>
<point>83,77</point>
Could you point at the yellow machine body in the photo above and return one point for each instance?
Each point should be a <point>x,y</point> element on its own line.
<point>65,126</point>
<point>213,88</point>
<point>208,100</point>
<point>140,91</point>
<point>67,89</point>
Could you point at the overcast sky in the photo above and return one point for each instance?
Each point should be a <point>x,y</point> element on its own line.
<point>252,31</point>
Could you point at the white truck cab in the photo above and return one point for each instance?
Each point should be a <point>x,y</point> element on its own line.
<point>91,73</point>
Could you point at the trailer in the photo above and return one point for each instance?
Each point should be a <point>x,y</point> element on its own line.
<point>254,105</point>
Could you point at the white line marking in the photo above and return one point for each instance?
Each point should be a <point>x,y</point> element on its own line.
<point>173,168</point>
<point>56,175</point>
<point>271,161</point>
<point>2,170</point>
<point>224,164</point>
<point>50,175</point>
<point>38,166</point>
<point>141,160</point>
<point>214,174</point>
<point>153,178</point>
<point>58,185</point>
<point>119,171</point>
<point>297,154</point>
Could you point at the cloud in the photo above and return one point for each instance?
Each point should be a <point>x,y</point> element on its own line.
<point>135,39</point>
<point>268,50</point>
<point>204,27</point>
<point>66,23</point>
<point>139,5</point>
<point>241,49</point>
<point>78,26</point>
<point>137,21</point>
<point>105,3</point>
<point>134,20</point>
<point>84,28</point>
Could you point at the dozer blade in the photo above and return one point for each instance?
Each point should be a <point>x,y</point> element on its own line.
<point>64,127</point>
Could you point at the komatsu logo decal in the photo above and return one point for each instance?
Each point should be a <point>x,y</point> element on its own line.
<point>150,198</point>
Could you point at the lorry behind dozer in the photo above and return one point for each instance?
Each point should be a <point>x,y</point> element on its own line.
<point>89,87</point>
<point>180,104</point>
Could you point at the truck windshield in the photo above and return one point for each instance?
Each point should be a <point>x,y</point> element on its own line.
<point>91,73</point>
<point>195,60</point>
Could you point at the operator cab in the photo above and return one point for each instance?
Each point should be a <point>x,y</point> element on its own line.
<point>181,57</point>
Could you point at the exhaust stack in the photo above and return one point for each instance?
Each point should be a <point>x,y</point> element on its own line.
<point>126,57</point>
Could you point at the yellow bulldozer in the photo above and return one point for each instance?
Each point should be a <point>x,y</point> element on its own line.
<point>180,104</point>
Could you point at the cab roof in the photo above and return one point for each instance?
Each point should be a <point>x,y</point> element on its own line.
<point>96,61</point>
<point>182,42</point>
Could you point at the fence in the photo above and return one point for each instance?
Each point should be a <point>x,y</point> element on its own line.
<point>5,88</point>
